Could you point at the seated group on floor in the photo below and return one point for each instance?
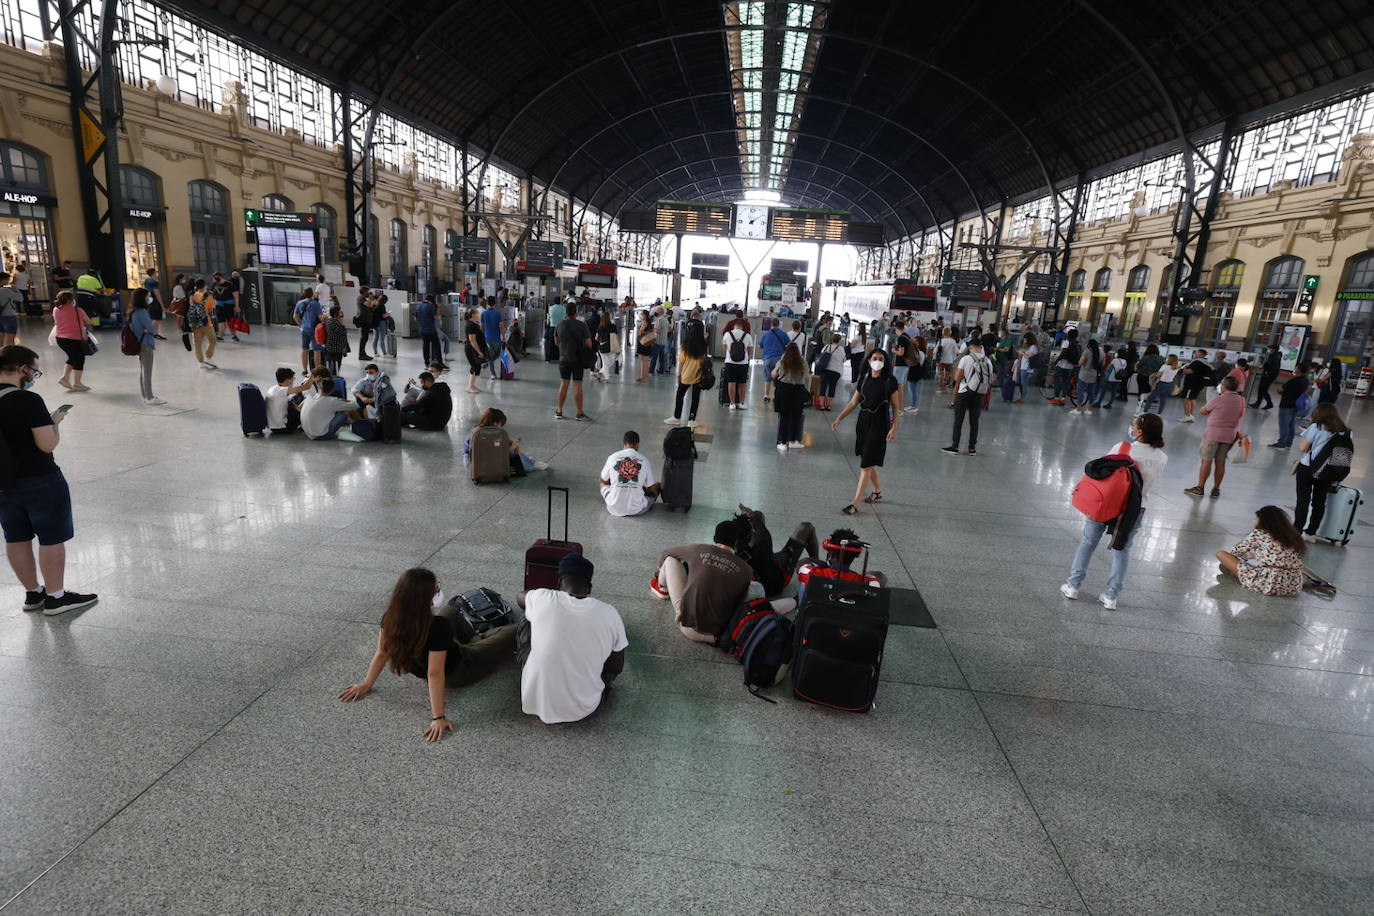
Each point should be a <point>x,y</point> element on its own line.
<point>324,408</point>
<point>569,646</point>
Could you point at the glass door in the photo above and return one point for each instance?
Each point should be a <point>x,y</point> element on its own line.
<point>1355,334</point>
<point>24,240</point>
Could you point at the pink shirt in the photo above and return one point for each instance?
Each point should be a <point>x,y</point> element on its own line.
<point>1223,417</point>
<point>1239,375</point>
<point>71,322</point>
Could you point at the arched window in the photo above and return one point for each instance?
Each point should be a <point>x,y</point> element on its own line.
<point>138,187</point>
<point>328,225</point>
<point>428,242</point>
<point>209,225</point>
<point>1102,280</point>
<point>22,167</point>
<point>1139,279</point>
<point>1230,274</point>
<point>1285,273</point>
<point>396,250</point>
<point>1079,278</point>
<point>277,202</point>
<point>1362,272</point>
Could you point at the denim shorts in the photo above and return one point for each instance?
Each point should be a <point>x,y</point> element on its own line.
<point>37,507</point>
<point>9,324</point>
<point>768,366</point>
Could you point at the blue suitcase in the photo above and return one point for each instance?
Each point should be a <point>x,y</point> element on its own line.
<point>340,387</point>
<point>252,410</point>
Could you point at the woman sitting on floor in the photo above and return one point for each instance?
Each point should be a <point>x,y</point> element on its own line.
<point>520,463</point>
<point>1268,560</point>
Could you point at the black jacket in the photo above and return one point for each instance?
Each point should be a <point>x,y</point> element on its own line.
<point>1271,364</point>
<point>435,403</point>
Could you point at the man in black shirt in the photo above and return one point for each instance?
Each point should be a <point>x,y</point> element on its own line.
<point>34,499</point>
<point>1269,372</point>
<point>773,570</point>
<point>574,341</point>
<point>1292,389</point>
<point>433,408</point>
<point>226,295</point>
<point>1196,375</point>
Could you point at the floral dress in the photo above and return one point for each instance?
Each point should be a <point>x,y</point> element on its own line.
<point>1279,569</point>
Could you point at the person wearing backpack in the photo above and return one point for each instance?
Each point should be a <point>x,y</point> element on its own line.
<point>828,362</point>
<point>35,501</point>
<point>739,350</point>
<point>1144,445</point>
<point>1327,429</point>
<point>772,342</point>
<point>1329,381</point>
<point>972,380</point>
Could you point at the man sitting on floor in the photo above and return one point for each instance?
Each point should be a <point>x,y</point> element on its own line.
<point>324,416</point>
<point>283,401</point>
<point>432,408</point>
<point>841,548</point>
<point>627,480</point>
<point>571,647</point>
<point>704,582</point>
<point>773,571</point>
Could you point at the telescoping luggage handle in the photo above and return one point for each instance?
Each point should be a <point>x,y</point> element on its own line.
<point>564,491</point>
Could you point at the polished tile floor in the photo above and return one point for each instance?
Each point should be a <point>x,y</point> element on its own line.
<point>178,747</point>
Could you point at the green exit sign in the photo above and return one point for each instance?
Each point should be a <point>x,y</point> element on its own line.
<point>250,217</point>
<point>1310,281</point>
<point>1307,295</point>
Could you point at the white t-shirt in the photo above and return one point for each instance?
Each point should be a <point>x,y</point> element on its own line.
<point>947,349</point>
<point>1150,461</point>
<point>798,338</point>
<point>1166,373</point>
<point>277,398</point>
<point>978,371</point>
<point>1031,352</point>
<point>629,473</point>
<point>744,337</point>
<point>323,291</point>
<point>570,640</point>
<point>317,412</point>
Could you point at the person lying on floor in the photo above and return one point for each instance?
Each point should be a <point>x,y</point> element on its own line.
<point>704,582</point>
<point>841,549</point>
<point>773,571</point>
<point>420,635</point>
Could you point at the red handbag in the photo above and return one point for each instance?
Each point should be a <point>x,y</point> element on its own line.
<point>239,326</point>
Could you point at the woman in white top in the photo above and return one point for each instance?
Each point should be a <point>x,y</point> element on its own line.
<point>1164,385</point>
<point>1146,448</point>
<point>1312,493</point>
<point>1030,354</point>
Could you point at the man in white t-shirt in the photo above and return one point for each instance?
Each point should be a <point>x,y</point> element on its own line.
<point>627,480</point>
<point>323,290</point>
<point>739,351</point>
<point>282,415</point>
<point>946,350</point>
<point>572,648</point>
<point>324,416</point>
<point>973,379</point>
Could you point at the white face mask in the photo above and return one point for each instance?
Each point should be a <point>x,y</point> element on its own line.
<point>438,601</point>
<point>1131,434</point>
<point>876,365</point>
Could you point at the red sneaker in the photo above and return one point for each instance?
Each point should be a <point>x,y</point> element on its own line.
<point>657,590</point>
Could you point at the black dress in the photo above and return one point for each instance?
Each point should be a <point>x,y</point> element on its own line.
<point>875,419</point>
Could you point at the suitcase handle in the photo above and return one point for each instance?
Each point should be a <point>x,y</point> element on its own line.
<point>565,511</point>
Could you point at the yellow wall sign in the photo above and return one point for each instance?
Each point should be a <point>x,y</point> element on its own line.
<point>92,137</point>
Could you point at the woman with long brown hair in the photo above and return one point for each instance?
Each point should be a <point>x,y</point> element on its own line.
<point>422,635</point>
<point>1326,423</point>
<point>1268,560</point>
<point>792,385</point>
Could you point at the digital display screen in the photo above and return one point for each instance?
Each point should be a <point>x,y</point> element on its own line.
<point>692,217</point>
<point>295,247</point>
<point>794,225</point>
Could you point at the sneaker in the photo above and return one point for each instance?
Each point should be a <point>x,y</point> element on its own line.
<point>348,435</point>
<point>581,416</point>
<point>672,421</point>
<point>33,601</point>
<point>972,450</point>
<point>154,402</point>
<point>796,445</point>
<point>952,449</point>
<point>541,465</point>
<point>1108,603</point>
<point>558,415</point>
<point>783,447</point>
<point>212,365</point>
<point>235,338</point>
<point>767,400</point>
<point>657,590</point>
<point>1068,591</point>
<point>1088,411</point>
<point>205,365</point>
<point>1188,420</point>
<point>219,339</point>
<point>909,410</point>
<point>70,601</point>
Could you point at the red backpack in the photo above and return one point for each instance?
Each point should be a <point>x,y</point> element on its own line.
<point>320,333</point>
<point>1103,499</point>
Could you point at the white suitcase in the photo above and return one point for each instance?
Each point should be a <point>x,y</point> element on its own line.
<point>1342,509</point>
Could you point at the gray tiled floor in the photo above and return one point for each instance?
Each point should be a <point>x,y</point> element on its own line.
<point>178,748</point>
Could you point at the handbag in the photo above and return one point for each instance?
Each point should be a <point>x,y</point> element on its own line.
<point>239,326</point>
<point>91,348</point>
<point>707,379</point>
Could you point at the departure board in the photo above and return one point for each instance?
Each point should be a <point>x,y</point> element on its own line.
<point>793,225</point>
<point>692,217</point>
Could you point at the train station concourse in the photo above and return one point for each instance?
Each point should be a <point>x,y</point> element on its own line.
<point>698,457</point>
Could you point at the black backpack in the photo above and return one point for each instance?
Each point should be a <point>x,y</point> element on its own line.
<point>736,346</point>
<point>478,610</point>
<point>678,444</point>
<point>762,640</point>
<point>1333,464</point>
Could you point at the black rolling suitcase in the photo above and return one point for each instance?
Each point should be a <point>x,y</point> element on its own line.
<point>252,410</point>
<point>841,631</point>
<point>390,417</point>
<point>679,463</point>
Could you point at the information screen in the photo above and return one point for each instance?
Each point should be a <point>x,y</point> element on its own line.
<point>692,217</point>
<point>295,247</point>
<point>793,225</point>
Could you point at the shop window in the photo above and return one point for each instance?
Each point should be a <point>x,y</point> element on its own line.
<point>328,224</point>
<point>1079,278</point>
<point>22,167</point>
<point>1362,273</point>
<point>209,226</point>
<point>1139,279</point>
<point>1285,273</point>
<point>1230,274</point>
<point>1102,280</point>
<point>138,187</point>
<point>278,202</point>
<point>396,250</point>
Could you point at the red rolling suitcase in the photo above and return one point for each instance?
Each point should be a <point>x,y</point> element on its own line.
<point>541,560</point>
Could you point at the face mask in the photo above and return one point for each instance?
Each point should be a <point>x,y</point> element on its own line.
<point>1131,434</point>
<point>371,377</point>
<point>438,601</point>
<point>28,383</point>
<point>876,365</point>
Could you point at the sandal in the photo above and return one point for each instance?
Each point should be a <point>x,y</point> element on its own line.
<point>1195,491</point>
<point>1216,492</point>
<point>850,509</point>
<point>874,497</point>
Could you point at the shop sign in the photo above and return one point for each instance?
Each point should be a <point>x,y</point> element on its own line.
<point>143,213</point>
<point>1356,294</point>
<point>29,199</point>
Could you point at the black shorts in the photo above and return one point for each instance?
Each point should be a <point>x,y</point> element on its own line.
<point>736,373</point>
<point>570,372</point>
<point>783,567</point>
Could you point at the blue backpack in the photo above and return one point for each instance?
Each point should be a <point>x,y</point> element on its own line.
<point>762,640</point>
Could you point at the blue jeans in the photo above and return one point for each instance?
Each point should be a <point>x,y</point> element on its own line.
<point>1288,421</point>
<point>1025,381</point>
<point>339,422</point>
<point>494,356</point>
<point>1061,381</point>
<point>913,388</point>
<point>1159,395</point>
<point>1106,394</point>
<point>1121,559</point>
<point>657,359</point>
<point>1087,393</point>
